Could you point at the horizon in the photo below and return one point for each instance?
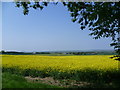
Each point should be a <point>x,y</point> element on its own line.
<point>60,50</point>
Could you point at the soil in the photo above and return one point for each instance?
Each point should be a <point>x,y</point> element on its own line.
<point>62,83</point>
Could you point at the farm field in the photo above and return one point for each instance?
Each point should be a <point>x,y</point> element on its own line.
<point>96,70</point>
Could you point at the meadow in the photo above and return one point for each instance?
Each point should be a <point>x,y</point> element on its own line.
<point>98,69</point>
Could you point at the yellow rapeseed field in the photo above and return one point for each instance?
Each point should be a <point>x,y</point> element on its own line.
<point>59,63</point>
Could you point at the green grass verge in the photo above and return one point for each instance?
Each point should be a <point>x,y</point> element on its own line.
<point>90,75</point>
<point>17,81</point>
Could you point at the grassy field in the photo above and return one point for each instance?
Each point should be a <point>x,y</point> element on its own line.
<point>97,69</point>
<point>17,81</point>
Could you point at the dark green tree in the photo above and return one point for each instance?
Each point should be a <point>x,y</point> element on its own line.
<point>102,18</point>
<point>2,51</point>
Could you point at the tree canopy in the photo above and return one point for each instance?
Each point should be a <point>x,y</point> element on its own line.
<point>102,18</point>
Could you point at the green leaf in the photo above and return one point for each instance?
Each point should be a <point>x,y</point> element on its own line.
<point>45,3</point>
<point>41,7</point>
<point>74,19</point>
<point>82,27</point>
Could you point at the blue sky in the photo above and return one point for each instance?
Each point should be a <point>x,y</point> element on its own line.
<point>48,30</point>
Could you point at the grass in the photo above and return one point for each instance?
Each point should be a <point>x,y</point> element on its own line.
<point>17,81</point>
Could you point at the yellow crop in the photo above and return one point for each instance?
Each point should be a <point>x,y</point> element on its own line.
<point>59,63</point>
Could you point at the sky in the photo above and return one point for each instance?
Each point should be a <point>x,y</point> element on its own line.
<point>0,26</point>
<point>48,30</point>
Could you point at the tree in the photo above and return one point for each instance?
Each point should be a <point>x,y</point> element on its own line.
<point>102,18</point>
<point>2,51</point>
